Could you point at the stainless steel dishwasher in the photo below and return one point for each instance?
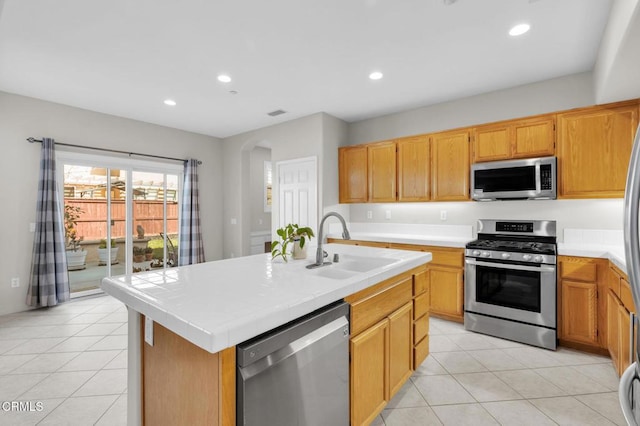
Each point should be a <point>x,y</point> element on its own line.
<point>297,374</point>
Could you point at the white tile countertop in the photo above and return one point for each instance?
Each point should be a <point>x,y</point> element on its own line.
<point>216,305</point>
<point>603,243</point>
<point>614,253</point>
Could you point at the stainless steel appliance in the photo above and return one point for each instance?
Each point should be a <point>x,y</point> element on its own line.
<point>297,374</point>
<point>510,281</point>
<point>629,390</point>
<point>531,178</point>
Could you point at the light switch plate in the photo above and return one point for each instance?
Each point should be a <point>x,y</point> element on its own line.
<point>387,214</point>
<point>148,330</point>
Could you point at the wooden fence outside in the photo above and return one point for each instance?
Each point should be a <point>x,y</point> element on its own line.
<point>92,224</point>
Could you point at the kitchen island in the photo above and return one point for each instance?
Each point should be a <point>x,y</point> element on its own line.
<point>196,315</point>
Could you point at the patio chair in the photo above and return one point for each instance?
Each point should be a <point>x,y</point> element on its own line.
<point>172,255</point>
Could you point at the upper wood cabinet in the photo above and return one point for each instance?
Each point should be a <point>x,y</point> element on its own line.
<point>450,166</point>
<point>353,174</point>
<point>413,168</point>
<point>524,138</point>
<point>381,159</point>
<point>594,148</point>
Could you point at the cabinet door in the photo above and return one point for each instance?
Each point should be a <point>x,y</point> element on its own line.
<point>612,329</point>
<point>594,147</point>
<point>369,373</point>
<point>450,166</point>
<point>534,137</point>
<point>446,291</point>
<point>353,174</point>
<point>413,168</point>
<point>400,347</point>
<point>579,312</point>
<point>492,142</point>
<point>382,172</point>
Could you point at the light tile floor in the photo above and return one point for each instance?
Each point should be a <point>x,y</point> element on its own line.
<point>69,361</point>
<point>473,379</point>
<point>73,359</point>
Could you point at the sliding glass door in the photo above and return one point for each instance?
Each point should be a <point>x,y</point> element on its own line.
<point>121,217</point>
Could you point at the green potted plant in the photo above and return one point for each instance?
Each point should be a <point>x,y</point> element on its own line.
<point>103,253</point>
<point>292,233</point>
<point>148,253</point>
<point>138,254</point>
<point>76,256</point>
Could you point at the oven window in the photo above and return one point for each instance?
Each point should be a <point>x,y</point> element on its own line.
<point>508,287</point>
<point>507,179</point>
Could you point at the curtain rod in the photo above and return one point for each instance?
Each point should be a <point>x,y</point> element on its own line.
<point>32,140</point>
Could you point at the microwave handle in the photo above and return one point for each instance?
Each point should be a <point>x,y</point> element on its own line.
<point>538,182</point>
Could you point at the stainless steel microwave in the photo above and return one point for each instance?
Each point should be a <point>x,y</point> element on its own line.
<point>526,179</point>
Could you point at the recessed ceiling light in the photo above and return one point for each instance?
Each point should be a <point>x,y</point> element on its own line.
<point>223,78</point>
<point>376,75</point>
<point>170,102</point>
<point>519,29</point>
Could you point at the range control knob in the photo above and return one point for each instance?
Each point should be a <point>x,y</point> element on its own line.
<point>506,255</point>
<point>486,254</point>
<point>538,259</point>
<point>526,257</point>
<point>476,252</point>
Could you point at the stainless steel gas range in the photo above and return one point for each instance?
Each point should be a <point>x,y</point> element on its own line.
<point>510,281</point>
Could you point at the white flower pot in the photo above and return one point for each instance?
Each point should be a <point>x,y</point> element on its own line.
<point>103,257</point>
<point>76,260</point>
<point>298,252</point>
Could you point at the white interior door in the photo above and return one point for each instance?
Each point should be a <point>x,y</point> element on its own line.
<point>297,192</point>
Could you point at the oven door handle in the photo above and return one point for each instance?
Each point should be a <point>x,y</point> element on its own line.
<point>541,268</point>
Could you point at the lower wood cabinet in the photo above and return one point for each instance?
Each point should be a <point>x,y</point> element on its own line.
<point>580,312</point>
<point>369,370</point>
<point>582,303</point>
<point>445,276</point>
<point>447,292</point>
<point>382,347</point>
<point>620,307</point>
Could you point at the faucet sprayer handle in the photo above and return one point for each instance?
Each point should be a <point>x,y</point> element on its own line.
<point>325,254</point>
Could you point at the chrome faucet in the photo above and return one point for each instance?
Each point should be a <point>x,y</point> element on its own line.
<point>320,252</point>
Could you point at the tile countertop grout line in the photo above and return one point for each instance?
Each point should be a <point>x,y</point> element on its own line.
<point>216,334</point>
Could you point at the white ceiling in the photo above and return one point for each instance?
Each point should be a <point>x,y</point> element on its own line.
<point>124,57</point>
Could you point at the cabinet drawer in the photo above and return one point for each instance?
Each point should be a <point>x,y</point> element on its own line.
<point>626,296</point>
<point>369,311</point>
<point>448,258</point>
<point>420,352</point>
<point>420,328</point>
<point>420,305</point>
<point>420,282</point>
<point>579,270</point>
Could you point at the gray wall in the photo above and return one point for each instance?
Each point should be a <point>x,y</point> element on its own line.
<point>551,95</point>
<point>289,140</point>
<point>260,220</point>
<point>22,117</point>
<point>547,96</point>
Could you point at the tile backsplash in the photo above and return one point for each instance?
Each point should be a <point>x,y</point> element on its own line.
<point>606,237</point>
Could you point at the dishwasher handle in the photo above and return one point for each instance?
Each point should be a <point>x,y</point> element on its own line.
<point>339,326</point>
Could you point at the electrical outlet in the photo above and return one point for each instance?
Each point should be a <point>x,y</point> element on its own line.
<point>32,227</point>
<point>443,215</point>
<point>234,221</point>
<point>387,214</point>
<point>15,282</point>
<point>369,214</point>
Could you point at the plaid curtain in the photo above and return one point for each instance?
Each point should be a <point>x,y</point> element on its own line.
<point>49,282</point>
<point>191,250</point>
